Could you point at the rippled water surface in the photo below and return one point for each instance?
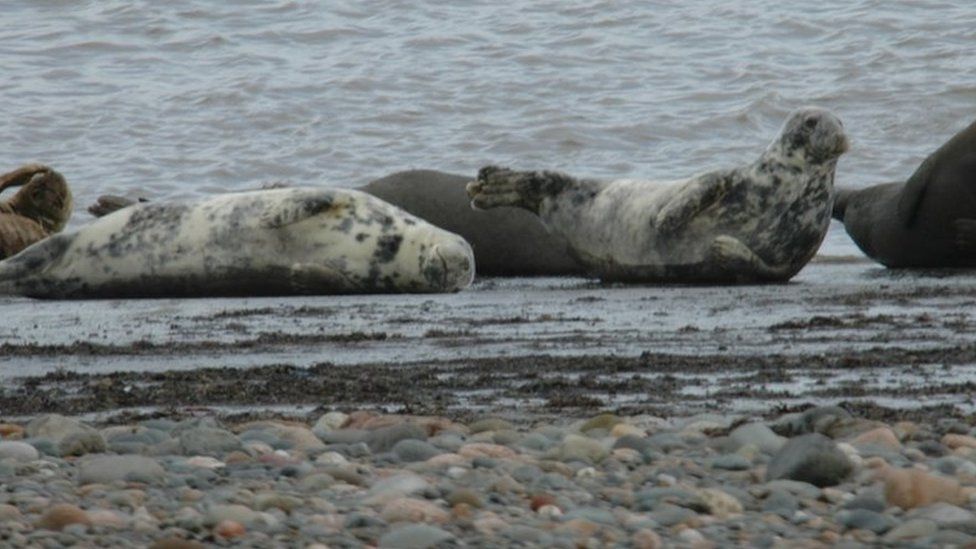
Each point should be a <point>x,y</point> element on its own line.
<point>191,97</point>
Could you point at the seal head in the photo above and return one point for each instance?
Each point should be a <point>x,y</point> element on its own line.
<point>810,137</point>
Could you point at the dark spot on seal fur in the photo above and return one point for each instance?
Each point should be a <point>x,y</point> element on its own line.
<point>361,236</point>
<point>387,247</point>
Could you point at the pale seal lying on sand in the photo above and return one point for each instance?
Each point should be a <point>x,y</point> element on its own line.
<point>40,208</point>
<point>441,199</point>
<point>761,222</point>
<point>928,221</point>
<point>271,242</point>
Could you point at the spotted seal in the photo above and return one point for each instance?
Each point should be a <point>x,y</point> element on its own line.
<point>761,222</point>
<point>40,208</point>
<point>928,220</point>
<point>270,242</point>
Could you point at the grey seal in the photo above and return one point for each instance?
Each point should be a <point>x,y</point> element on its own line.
<point>506,241</point>
<point>761,222</point>
<point>271,242</point>
<point>928,220</point>
<point>40,208</point>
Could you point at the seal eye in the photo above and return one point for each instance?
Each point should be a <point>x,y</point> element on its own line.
<point>810,123</point>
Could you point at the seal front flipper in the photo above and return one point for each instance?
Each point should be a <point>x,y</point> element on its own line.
<point>731,255</point>
<point>498,186</point>
<point>310,279</point>
<point>692,200</point>
<point>297,208</point>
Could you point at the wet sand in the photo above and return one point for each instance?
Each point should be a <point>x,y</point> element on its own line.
<point>886,344</point>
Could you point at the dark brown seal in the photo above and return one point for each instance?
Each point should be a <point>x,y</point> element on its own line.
<point>40,208</point>
<point>928,221</point>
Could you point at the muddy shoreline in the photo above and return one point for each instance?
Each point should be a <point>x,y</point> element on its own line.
<point>888,344</point>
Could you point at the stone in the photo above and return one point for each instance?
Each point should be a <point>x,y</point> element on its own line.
<point>295,437</point>
<point>580,448</point>
<point>229,512</point>
<point>911,488</point>
<point>731,462</point>
<point>955,441</point>
<point>174,542</point>
<point>81,443</point>
<point>781,503</point>
<point>384,439</point>
<point>944,514</point>
<point>490,424</point>
<point>465,496</point>
<point>414,536</point>
<point>11,431</point>
<point>881,436</point>
<point>410,450</point>
<point>328,422</point>
<point>757,434</point>
<point>864,519</point>
<point>9,513</point>
<point>208,441</point>
<point>107,469</point>
<point>229,529</point>
<point>17,451</point>
<point>910,530</point>
<point>401,484</point>
<point>61,515</point>
<point>405,509</point>
<point>646,538</point>
<point>624,429</point>
<point>720,504</point>
<point>486,449</point>
<point>811,458</point>
<point>55,427</point>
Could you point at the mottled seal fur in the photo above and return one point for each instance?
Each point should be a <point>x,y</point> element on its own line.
<point>441,199</point>
<point>270,242</point>
<point>761,222</point>
<point>40,208</point>
<point>927,221</point>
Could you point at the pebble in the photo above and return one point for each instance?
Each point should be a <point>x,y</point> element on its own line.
<point>59,516</point>
<point>811,458</point>
<point>414,536</point>
<point>911,488</point>
<point>17,451</point>
<point>107,469</point>
<point>402,481</point>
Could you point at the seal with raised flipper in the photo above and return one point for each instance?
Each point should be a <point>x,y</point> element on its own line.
<point>928,221</point>
<point>269,242</point>
<point>40,208</point>
<point>761,222</point>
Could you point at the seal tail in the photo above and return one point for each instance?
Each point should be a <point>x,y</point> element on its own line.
<point>841,199</point>
<point>16,272</point>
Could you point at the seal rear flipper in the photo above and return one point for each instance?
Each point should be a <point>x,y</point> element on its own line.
<point>297,208</point>
<point>108,203</point>
<point>21,175</point>
<point>309,279</point>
